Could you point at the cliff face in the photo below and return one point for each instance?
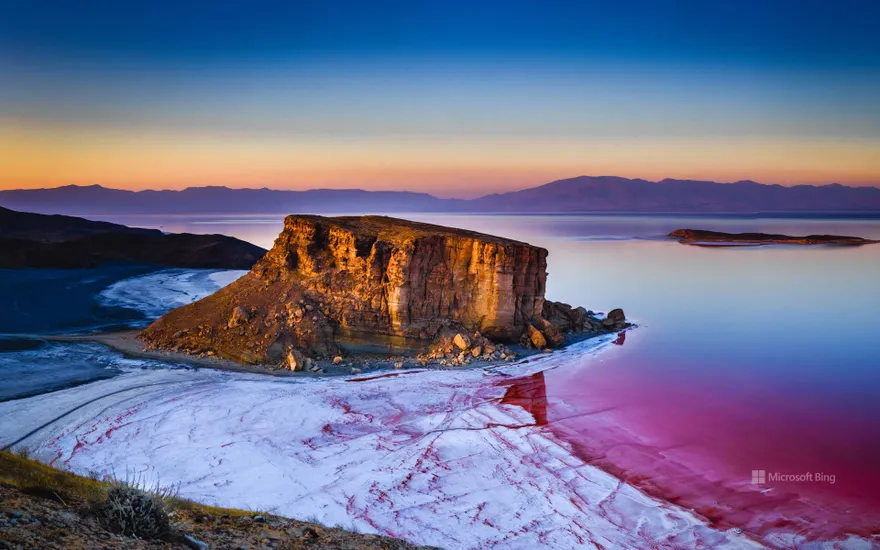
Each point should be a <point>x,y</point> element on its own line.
<point>361,284</point>
<point>403,278</point>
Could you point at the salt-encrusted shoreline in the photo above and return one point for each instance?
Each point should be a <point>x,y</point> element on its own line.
<point>154,294</point>
<point>458,466</point>
<point>128,343</point>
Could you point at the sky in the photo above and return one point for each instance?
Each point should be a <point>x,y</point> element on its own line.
<point>451,98</point>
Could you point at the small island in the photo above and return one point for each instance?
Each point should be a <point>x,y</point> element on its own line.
<point>701,237</point>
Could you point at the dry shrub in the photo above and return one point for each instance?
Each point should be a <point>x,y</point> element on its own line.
<point>133,512</point>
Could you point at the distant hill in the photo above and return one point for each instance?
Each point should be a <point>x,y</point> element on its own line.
<point>44,241</point>
<point>613,194</point>
<point>94,199</point>
<point>581,194</point>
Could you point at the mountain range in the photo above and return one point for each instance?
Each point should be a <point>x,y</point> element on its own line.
<point>580,194</point>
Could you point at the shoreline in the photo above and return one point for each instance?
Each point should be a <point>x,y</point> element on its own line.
<point>128,344</point>
<point>499,427</point>
<point>522,371</point>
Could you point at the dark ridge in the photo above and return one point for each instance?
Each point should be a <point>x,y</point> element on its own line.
<point>580,194</point>
<point>56,228</point>
<point>40,241</point>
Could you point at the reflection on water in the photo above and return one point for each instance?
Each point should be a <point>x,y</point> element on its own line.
<point>745,359</point>
<point>530,393</point>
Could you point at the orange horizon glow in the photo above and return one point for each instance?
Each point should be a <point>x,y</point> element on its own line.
<point>34,157</point>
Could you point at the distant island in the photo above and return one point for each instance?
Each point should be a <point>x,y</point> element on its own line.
<point>41,241</point>
<point>717,238</point>
<point>580,194</point>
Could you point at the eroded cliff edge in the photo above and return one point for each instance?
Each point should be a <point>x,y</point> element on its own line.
<point>373,284</point>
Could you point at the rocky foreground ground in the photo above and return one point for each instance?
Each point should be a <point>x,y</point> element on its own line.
<point>42,508</point>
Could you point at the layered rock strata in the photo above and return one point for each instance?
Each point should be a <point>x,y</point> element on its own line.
<point>372,284</point>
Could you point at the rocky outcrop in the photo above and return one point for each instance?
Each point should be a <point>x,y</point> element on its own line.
<point>451,348</point>
<point>371,283</point>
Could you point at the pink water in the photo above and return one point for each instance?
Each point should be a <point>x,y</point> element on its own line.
<point>696,444</point>
<point>762,359</point>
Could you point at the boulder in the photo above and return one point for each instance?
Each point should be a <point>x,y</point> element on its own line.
<point>615,320</point>
<point>552,334</point>
<point>592,323</point>
<point>561,315</point>
<point>239,317</point>
<point>443,340</point>
<point>461,341</point>
<point>295,360</point>
<point>536,337</point>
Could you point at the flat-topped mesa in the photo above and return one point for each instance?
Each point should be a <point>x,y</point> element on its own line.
<point>368,283</point>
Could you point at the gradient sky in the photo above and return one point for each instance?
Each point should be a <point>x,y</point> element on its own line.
<point>453,98</point>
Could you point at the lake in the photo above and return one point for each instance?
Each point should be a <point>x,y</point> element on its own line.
<point>750,390</point>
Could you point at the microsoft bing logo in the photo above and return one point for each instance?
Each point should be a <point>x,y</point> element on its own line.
<point>759,477</point>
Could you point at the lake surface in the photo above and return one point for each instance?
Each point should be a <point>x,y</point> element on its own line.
<point>746,360</point>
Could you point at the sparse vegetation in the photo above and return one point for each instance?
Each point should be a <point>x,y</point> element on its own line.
<point>33,478</point>
<point>56,509</point>
<point>132,512</point>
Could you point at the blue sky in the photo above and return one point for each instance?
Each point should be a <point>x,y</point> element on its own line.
<point>785,34</point>
<point>449,97</point>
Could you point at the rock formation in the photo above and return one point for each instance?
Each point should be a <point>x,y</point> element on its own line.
<point>371,283</point>
<point>701,236</point>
